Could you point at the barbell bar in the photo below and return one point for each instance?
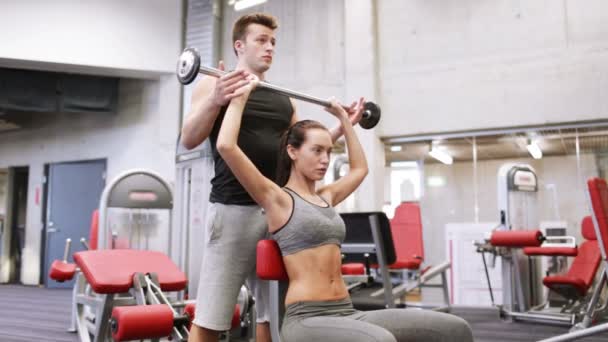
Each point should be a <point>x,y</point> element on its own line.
<point>189,66</point>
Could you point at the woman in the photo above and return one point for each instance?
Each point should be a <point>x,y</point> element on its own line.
<point>309,232</point>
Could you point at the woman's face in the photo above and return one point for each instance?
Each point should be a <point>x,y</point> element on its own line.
<point>312,158</point>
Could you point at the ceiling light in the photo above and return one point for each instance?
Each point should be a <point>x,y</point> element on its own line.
<point>534,150</point>
<point>243,4</point>
<point>441,155</point>
<point>404,164</point>
<point>435,181</point>
<point>395,148</point>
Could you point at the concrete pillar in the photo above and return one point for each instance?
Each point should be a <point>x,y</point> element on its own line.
<point>362,79</point>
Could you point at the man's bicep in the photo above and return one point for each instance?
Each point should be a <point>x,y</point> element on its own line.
<point>202,90</point>
<point>294,115</point>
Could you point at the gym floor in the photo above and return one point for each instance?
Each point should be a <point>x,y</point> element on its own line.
<point>37,314</point>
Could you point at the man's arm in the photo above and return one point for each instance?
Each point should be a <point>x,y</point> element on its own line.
<point>354,117</point>
<point>338,131</point>
<point>209,95</point>
<point>202,115</point>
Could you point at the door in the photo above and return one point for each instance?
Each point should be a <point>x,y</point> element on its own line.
<point>4,206</point>
<point>74,191</point>
<point>18,221</point>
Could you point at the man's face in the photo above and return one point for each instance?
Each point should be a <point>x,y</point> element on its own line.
<point>257,50</point>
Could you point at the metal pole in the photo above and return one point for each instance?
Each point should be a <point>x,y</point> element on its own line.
<point>284,91</point>
<point>381,256</point>
<point>485,267</point>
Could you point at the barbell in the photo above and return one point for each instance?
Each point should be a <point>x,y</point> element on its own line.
<point>189,66</point>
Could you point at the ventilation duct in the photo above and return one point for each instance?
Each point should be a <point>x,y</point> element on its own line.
<point>40,91</point>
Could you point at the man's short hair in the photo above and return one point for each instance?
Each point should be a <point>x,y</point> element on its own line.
<point>239,31</point>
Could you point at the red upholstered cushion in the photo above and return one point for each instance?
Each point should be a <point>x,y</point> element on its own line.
<point>142,322</point>
<point>551,251</point>
<point>587,262</point>
<point>580,276</point>
<point>516,238</point>
<point>269,261</point>
<point>400,264</point>
<point>598,192</point>
<point>353,268</point>
<point>62,271</point>
<point>112,270</point>
<point>410,264</point>
<point>94,231</point>
<point>568,287</point>
<point>236,317</point>
<point>190,310</point>
<point>587,228</point>
<point>406,227</point>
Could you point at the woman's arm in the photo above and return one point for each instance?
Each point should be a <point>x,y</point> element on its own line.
<point>264,191</point>
<point>354,116</point>
<point>337,191</point>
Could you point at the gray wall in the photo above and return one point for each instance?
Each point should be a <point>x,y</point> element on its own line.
<point>467,64</point>
<point>135,37</point>
<point>445,65</point>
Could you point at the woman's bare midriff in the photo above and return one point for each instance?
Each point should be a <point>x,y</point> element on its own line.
<point>315,275</point>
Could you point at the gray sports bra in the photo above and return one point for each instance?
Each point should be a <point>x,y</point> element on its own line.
<point>309,226</point>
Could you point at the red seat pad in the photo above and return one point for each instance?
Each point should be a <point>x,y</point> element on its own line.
<point>568,287</point>
<point>551,251</point>
<point>410,264</point>
<point>406,228</point>
<point>112,270</point>
<point>400,264</point>
<point>581,273</point>
<point>269,261</point>
<point>586,263</point>
<point>598,192</point>
<point>62,271</point>
<point>353,268</point>
<point>516,238</point>
<point>587,228</point>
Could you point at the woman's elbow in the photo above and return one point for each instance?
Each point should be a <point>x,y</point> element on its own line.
<point>361,172</point>
<point>224,148</point>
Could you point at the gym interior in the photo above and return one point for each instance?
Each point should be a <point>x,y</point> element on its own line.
<point>486,193</point>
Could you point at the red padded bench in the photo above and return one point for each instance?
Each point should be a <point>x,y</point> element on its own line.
<point>112,270</point>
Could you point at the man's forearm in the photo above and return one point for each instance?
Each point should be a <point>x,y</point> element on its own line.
<point>337,132</point>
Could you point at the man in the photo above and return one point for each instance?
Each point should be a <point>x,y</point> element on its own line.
<point>235,223</point>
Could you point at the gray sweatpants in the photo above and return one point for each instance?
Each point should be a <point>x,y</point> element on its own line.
<point>231,236</point>
<point>338,321</point>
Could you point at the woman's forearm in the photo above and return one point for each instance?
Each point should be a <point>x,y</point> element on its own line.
<point>229,131</point>
<point>356,155</point>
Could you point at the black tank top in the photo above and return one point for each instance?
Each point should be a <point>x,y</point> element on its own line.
<point>265,117</point>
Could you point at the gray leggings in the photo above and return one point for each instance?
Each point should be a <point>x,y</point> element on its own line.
<point>338,321</point>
